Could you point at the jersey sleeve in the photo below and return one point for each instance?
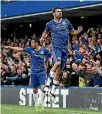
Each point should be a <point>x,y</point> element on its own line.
<point>47,29</point>
<point>70,27</point>
<point>47,53</point>
<point>27,50</point>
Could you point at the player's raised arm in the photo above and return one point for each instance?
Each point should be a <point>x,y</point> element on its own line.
<point>44,35</point>
<point>14,48</point>
<point>76,32</point>
<point>46,32</point>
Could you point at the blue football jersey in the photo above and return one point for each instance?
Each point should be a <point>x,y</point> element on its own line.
<point>37,58</point>
<point>59,32</point>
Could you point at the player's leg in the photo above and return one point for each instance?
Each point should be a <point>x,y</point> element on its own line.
<point>56,78</point>
<point>62,65</point>
<point>35,91</point>
<point>52,74</point>
<point>54,85</point>
<point>41,97</point>
<point>42,79</point>
<point>34,83</point>
<point>57,57</point>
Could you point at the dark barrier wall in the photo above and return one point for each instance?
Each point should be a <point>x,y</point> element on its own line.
<point>27,7</point>
<point>87,98</point>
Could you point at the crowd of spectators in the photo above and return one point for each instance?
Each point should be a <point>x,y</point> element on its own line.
<point>83,67</point>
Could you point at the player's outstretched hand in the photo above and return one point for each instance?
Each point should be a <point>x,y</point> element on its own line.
<point>80,28</point>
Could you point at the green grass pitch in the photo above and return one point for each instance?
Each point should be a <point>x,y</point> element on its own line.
<point>17,109</point>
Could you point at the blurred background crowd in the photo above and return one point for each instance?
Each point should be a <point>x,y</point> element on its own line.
<point>83,67</point>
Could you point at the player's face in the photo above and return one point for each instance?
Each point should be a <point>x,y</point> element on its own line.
<point>58,13</point>
<point>33,43</point>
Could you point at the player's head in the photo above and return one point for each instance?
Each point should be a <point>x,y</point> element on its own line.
<point>57,12</point>
<point>35,42</point>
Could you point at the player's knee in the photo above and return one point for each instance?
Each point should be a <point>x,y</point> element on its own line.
<point>35,90</point>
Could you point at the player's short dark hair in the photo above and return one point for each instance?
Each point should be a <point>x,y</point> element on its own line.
<point>54,9</point>
<point>36,39</point>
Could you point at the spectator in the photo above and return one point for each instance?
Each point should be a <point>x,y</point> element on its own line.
<point>74,76</point>
<point>96,79</point>
<point>85,50</point>
<point>17,79</point>
<point>65,79</point>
